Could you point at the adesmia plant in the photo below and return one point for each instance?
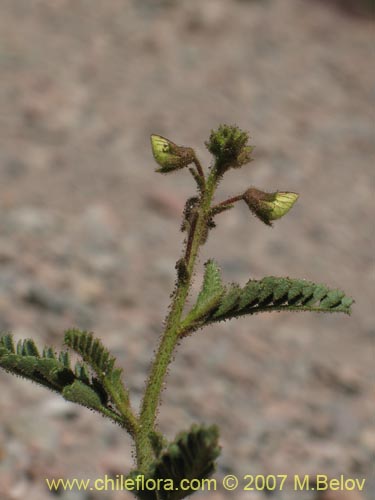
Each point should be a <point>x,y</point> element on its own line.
<point>96,381</point>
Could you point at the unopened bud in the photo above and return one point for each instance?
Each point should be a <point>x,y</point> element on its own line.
<point>245,156</point>
<point>228,144</point>
<point>170,156</point>
<point>269,206</point>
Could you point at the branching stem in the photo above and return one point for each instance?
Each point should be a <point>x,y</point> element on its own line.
<point>190,239</point>
<point>229,201</point>
<point>173,330</point>
<point>200,169</point>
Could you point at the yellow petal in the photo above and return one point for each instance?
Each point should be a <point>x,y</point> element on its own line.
<point>282,203</point>
<point>168,155</point>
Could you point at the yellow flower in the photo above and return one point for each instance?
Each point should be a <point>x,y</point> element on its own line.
<point>269,206</point>
<point>170,156</point>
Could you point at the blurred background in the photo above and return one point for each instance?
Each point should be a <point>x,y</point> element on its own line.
<point>89,234</point>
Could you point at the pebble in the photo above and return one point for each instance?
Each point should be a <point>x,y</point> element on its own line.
<point>40,296</point>
<point>344,379</point>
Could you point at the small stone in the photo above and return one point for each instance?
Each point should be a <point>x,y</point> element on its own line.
<point>321,426</point>
<point>344,378</point>
<point>45,298</point>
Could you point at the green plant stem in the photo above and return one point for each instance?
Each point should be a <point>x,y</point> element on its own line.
<point>172,333</point>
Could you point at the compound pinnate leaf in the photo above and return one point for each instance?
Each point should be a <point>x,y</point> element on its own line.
<point>102,362</point>
<point>275,294</point>
<point>54,372</point>
<point>191,455</point>
<point>92,351</point>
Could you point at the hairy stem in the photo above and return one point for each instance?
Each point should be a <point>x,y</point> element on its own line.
<point>190,240</point>
<point>199,169</point>
<point>172,331</point>
<point>229,201</point>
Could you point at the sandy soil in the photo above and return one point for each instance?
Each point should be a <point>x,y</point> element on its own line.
<point>89,234</point>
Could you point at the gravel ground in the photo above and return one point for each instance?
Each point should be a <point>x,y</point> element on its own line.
<point>89,234</point>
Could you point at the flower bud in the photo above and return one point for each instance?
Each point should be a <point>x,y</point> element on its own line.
<point>269,206</point>
<point>244,157</point>
<point>228,144</point>
<point>170,156</point>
